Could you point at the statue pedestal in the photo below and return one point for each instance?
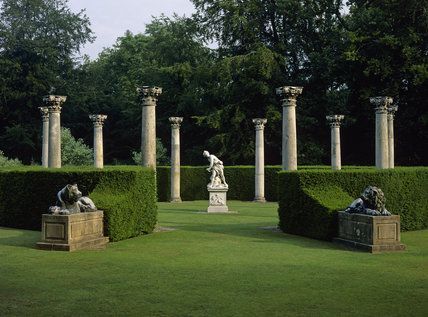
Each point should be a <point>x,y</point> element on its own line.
<point>218,199</point>
<point>73,232</point>
<point>370,233</point>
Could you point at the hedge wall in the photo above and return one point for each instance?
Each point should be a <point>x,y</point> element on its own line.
<point>194,180</point>
<point>126,194</point>
<point>309,199</point>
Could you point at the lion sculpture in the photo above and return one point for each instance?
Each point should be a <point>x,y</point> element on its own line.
<point>71,201</point>
<point>371,202</point>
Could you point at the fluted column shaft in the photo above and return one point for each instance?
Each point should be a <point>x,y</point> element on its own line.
<point>148,125</point>
<point>336,159</point>
<point>175,158</point>
<point>259,182</point>
<point>289,134</point>
<point>54,104</point>
<point>98,121</point>
<point>45,136</point>
<point>381,142</point>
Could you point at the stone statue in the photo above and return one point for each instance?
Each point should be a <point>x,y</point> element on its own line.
<point>70,201</point>
<point>217,171</point>
<point>371,202</point>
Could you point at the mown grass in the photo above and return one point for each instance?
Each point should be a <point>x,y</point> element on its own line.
<point>213,265</point>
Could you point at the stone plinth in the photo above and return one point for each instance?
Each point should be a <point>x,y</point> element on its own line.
<point>370,233</point>
<point>218,199</point>
<point>73,232</point>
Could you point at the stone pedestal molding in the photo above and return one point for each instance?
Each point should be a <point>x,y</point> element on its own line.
<point>45,136</point>
<point>73,232</point>
<point>175,158</point>
<point>289,136</point>
<point>259,195</point>
<point>369,233</point>
<point>217,199</point>
<point>381,104</point>
<point>391,155</point>
<point>98,121</point>
<point>335,122</point>
<point>54,104</point>
<point>148,97</point>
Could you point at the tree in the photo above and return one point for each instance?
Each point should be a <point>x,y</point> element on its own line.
<point>74,151</point>
<point>38,39</point>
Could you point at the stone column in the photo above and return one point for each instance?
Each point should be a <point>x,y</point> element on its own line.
<point>54,104</point>
<point>382,104</point>
<point>45,138</point>
<point>98,121</point>
<point>289,136</point>
<point>175,158</point>
<point>336,160</point>
<point>391,155</point>
<point>259,195</point>
<point>148,124</point>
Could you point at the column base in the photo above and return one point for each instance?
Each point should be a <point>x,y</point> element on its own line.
<point>259,200</point>
<point>176,200</point>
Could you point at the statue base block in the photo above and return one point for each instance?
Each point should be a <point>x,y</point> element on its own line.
<point>80,231</point>
<point>369,233</point>
<point>218,199</point>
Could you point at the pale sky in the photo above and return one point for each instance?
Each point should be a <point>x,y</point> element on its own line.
<point>111,18</point>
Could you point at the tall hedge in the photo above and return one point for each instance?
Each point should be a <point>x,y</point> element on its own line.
<point>194,180</point>
<point>126,194</point>
<point>309,199</point>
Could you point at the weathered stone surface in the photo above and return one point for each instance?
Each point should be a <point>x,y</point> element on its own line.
<point>381,103</point>
<point>54,104</point>
<point>44,111</point>
<point>175,158</point>
<point>335,122</point>
<point>259,195</point>
<point>391,155</point>
<point>218,199</point>
<point>149,97</point>
<point>73,232</point>
<point>289,135</point>
<point>370,233</point>
<point>98,121</point>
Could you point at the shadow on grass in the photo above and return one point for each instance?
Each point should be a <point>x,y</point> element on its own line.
<point>257,232</point>
<point>19,238</point>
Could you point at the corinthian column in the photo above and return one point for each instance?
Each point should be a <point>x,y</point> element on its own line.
<point>54,104</point>
<point>98,121</point>
<point>259,194</point>
<point>148,124</point>
<point>391,155</point>
<point>289,136</point>
<point>381,103</point>
<point>175,158</point>
<point>336,160</point>
<point>45,138</point>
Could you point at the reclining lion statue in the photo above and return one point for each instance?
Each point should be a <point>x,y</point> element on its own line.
<point>371,202</point>
<point>71,201</point>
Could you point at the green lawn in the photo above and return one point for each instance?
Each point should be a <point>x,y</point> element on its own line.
<point>213,265</point>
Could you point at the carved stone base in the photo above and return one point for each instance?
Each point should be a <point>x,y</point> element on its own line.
<point>218,199</point>
<point>73,232</point>
<point>370,233</point>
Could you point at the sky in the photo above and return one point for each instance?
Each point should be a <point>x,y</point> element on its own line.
<point>111,18</point>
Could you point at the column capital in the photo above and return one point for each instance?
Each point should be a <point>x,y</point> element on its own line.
<point>149,95</point>
<point>381,103</point>
<point>391,111</point>
<point>259,123</point>
<point>98,119</point>
<point>335,120</point>
<point>54,103</point>
<point>175,122</point>
<point>44,111</point>
<point>289,95</point>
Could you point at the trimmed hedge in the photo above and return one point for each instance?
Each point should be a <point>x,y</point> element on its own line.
<point>310,199</point>
<point>194,180</point>
<point>126,194</point>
